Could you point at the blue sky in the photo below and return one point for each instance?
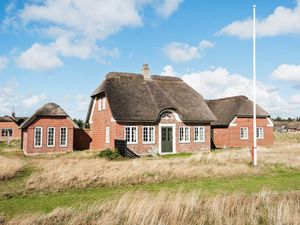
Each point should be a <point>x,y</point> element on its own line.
<point>60,50</point>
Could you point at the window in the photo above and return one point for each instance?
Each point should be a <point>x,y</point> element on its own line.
<point>6,132</point>
<point>107,135</point>
<point>149,135</point>
<point>99,104</point>
<point>131,134</point>
<point>63,137</point>
<point>199,133</point>
<point>244,133</point>
<point>104,103</point>
<point>260,133</point>
<point>50,137</point>
<point>38,135</point>
<point>184,134</point>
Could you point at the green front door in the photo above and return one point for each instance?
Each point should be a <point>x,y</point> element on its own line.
<point>166,139</point>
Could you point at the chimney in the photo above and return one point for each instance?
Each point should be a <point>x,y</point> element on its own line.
<point>145,72</point>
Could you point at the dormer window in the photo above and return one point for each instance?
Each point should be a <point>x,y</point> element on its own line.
<point>101,103</point>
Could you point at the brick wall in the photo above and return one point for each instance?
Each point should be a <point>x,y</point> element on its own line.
<point>45,122</point>
<point>230,137</point>
<point>82,139</point>
<point>103,118</point>
<point>16,135</point>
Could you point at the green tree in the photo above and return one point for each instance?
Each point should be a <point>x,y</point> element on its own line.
<point>79,122</point>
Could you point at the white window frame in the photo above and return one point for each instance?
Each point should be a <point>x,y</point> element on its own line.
<point>107,135</point>
<point>148,135</point>
<point>244,137</point>
<point>262,133</point>
<point>104,103</point>
<point>34,138</point>
<point>50,146</point>
<point>65,145</point>
<point>130,133</point>
<point>186,139</point>
<point>99,104</point>
<point>199,128</point>
<point>6,132</point>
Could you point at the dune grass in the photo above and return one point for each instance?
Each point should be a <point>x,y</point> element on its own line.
<point>9,167</point>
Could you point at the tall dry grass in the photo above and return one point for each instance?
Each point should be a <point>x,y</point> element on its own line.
<point>287,138</point>
<point>63,173</point>
<point>179,209</point>
<point>9,167</point>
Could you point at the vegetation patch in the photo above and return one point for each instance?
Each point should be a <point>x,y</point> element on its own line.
<point>9,167</point>
<point>111,154</point>
<point>178,155</point>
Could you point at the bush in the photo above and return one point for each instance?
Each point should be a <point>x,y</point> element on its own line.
<point>111,154</point>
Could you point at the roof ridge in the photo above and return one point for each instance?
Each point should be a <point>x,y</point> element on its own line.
<point>228,98</point>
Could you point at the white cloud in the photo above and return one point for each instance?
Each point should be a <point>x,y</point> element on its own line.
<point>287,72</point>
<point>10,97</point>
<point>3,62</point>
<point>218,83</point>
<point>183,52</point>
<point>168,71</point>
<point>30,101</point>
<point>168,7</point>
<point>295,99</point>
<point>39,57</point>
<point>282,21</point>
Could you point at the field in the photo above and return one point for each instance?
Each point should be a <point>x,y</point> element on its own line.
<point>219,187</point>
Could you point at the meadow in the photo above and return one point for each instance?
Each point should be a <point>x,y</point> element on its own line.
<point>217,187</point>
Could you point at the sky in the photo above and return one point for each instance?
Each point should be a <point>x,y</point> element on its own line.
<point>60,50</point>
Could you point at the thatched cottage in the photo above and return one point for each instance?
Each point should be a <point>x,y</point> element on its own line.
<point>159,114</point>
<point>9,127</point>
<point>234,124</point>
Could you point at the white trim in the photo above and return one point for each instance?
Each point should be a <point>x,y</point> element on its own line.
<point>99,104</point>
<point>244,138</point>
<point>34,137</point>
<point>176,116</point>
<point>232,124</point>
<point>60,137</point>
<point>148,142</point>
<point>107,135</point>
<point>92,112</point>
<point>50,146</point>
<point>189,137</point>
<point>270,122</point>
<point>112,119</point>
<point>137,134</point>
<point>174,138</point>
<point>104,103</point>
<point>199,127</point>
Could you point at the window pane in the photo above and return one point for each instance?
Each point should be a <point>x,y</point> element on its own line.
<point>50,136</point>
<point>145,134</point>
<point>63,136</point>
<point>38,137</point>
<point>180,133</point>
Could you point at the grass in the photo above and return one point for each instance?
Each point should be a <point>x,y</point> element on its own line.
<point>45,183</point>
<point>9,167</point>
<point>277,180</point>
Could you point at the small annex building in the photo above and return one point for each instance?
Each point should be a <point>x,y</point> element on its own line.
<point>9,127</point>
<point>48,130</point>
<point>154,114</point>
<point>234,124</point>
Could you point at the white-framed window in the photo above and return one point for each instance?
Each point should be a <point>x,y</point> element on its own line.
<point>244,133</point>
<point>149,135</point>
<point>38,137</point>
<point>107,135</point>
<point>99,104</point>
<point>103,103</point>
<point>63,136</point>
<point>50,137</point>
<point>7,132</point>
<point>184,134</point>
<point>260,133</point>
<point>199,134</point>
<point>131,134</point>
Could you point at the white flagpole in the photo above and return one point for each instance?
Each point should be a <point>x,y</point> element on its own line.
<point>254,88</point>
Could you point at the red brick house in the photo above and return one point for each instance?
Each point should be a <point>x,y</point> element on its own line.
<point>234,125</point>
<point>154,114</point>
<point>48,130</point>
<point>9,127</point>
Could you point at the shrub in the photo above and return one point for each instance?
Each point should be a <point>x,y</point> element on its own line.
<point>111,154</point>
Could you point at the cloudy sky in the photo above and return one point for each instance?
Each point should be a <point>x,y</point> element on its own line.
<point>60,50</point>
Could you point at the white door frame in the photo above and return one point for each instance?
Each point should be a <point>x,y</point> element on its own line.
<point>174,138</point>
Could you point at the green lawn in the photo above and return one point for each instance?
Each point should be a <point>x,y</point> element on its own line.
<point>278,180</point>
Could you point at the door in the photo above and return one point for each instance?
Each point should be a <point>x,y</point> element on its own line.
<point>166,140</point>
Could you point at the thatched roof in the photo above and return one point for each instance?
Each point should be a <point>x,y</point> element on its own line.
<point>134,99</point>
<point>17,120</point>
<point>49,110</point>
<point>225,109</point>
